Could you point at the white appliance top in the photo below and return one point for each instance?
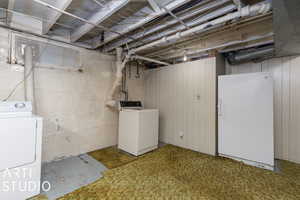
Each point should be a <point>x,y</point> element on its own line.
<point>15,109</point>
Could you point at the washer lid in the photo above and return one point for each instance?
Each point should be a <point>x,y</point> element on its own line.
<point>17,142</point>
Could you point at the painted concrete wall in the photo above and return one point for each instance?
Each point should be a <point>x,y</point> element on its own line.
<point>71,103</point>
<point>286,73</point>
<point>185,95</point>
<point>135,84</point>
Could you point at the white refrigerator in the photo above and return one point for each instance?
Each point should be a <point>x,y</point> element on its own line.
<point>245,118</point>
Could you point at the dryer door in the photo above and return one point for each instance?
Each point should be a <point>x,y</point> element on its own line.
<point>17,142</point>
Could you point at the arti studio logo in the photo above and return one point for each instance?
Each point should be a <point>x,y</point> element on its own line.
<point>21,180</point>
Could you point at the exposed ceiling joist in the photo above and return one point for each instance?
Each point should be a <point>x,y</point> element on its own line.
<point>54,15</point>
<point>160,25</point>
<point>104,13</point>
<point>11,5</point>
<point>154,5</point>
<point>141,34</point>
<point>176,18</point>
<point>202,19</point>
<point>181,53</point>
<point>99,3</point>
<point>110,37</point>
<point>237,35</point>
<point>76,17</point>
<point>238,3</point>
<point>257,9</point>
<point>238,30</point>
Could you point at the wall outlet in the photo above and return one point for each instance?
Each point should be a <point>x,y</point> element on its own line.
<point>17,68</point>
<point>57,125</point>
<point>181,134</point>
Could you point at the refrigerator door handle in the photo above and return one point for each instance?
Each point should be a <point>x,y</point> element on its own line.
<point>220,110</point>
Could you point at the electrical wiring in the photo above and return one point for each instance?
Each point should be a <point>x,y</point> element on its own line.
<point>18,84</point>
<point>26,76</point>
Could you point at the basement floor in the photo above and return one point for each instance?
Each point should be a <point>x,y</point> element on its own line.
<point>175,173</point>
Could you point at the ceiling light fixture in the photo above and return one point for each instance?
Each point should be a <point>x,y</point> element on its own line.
<point>185,56</point>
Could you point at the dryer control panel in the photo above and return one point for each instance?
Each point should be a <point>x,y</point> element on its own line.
<point>15,108</point>
<point>134,105</point>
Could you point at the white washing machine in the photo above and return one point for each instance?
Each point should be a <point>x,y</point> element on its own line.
<point>138,128</point>
<point>20,151</point>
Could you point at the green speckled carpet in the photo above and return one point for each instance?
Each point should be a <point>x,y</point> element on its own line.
<point>175,173</point>
<point>111,157</point>
<point>39,197</point>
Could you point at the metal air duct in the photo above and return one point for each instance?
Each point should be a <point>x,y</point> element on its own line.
<point>250,55</point>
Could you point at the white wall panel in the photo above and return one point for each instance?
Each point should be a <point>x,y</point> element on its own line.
<point>286,73</point>
<point>294,132</point>
<point>275,67</point>
<point>185,95</point>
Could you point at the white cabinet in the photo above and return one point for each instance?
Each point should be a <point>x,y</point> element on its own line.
<point>185,95</point>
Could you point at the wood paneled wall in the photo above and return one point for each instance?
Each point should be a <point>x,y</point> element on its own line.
<point>185,95</point>
<point>286,74</point>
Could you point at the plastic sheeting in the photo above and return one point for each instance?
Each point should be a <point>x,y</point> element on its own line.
<point>47,55</point>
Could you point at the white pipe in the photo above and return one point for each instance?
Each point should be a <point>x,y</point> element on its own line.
<point>172,5</point>
<point>27,70</point>
<point>111,102</point>
<point>202,19</point>
<point>29,94</point>
<point>235,42</point>
<point>158,27</point>
<point>150,60</point>
<point>256,9</point>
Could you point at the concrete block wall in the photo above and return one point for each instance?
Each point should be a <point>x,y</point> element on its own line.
<point>73,107</point>
<point>72,104</point>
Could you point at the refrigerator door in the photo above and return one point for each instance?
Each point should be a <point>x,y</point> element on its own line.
<point>246,117</point>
